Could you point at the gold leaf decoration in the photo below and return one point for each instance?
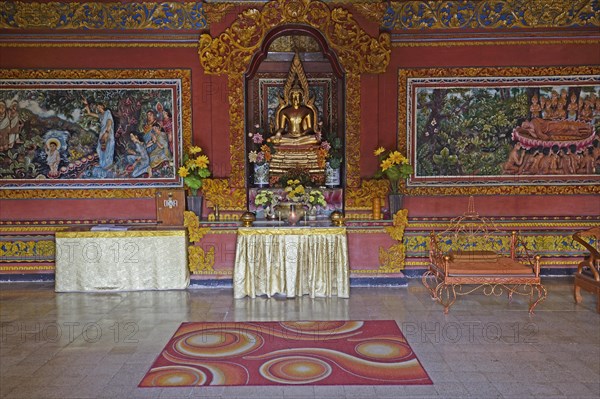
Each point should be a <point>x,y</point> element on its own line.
<point>491,14</point>
<point>362,197</point>
<point>101,15</point>
<point>219,192</point>
<point>392,259</point>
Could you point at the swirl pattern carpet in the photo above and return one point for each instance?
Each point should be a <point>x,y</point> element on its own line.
<point>372,352</point>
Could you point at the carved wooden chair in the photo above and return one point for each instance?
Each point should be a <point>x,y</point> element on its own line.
<point>588,271</point>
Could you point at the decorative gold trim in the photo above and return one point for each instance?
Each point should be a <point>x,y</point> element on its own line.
<point>199,261</point>
<point>53,229</point>
<point>186,116</point>
<point>66,193</point>
<point>215,12</point>
<point>361,198</point>
<point>117,234</point>
<point>231,52</point>
<point>491,14</point>
<point>460,43</point>
<point>372,11</point>
<point>392,259</point>
<point>219,192</point>
<point>102,16</point>
<point>405,74</point>
<point>95,44</point>
<point>26,268</point>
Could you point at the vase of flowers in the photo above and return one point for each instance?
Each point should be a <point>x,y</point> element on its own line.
<point>268,200</point>
<point>193,171</point>
<point>315,199</point>
<point>260,156</point>
<point>396,168</point>
<point>333,148</point>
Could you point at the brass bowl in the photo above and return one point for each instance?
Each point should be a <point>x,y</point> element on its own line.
<point>282,210</point>
<point>247,219</point>
<point>337,218</point>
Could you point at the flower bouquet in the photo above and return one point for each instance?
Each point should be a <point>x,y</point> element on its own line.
<point>260,155</point>
<point>268,200</point>
<point>394,166</point>
<point>194,169</point>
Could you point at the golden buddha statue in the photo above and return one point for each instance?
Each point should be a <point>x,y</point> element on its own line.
<point>295,123</point>
<point>296,139</point>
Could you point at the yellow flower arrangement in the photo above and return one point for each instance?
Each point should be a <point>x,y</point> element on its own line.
<point>394,166</point>
<point>194,169</point>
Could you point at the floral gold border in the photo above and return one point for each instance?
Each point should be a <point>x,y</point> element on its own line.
<point>491,14</point>
<point>102,15</point>
<point>405,74</point>
<point>186,116</point>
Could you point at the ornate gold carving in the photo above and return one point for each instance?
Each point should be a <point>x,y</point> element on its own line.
<point>20,250</point>
<point>362,197</point>
<point>372,11</point>
<point>215,12</point>
<point>237,177</point>
<point>404,74</point>
<point>186,100</point>
<point>191,222</point>
<point>353,130</point>
<point>291,43</point>
<point>392,259</point>
<point>199,261</point>
<point>219,192</point>
<point>99,15</point>
<point>491,14</point>
<point>231,51</point>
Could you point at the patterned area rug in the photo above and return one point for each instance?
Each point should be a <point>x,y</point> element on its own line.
<point>290,353</point>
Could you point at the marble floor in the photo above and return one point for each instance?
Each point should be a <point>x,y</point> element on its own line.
<point>88,345</point>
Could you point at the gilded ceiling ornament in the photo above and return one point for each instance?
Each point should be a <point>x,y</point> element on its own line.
<point>491,14</point>
<point>100,15</point>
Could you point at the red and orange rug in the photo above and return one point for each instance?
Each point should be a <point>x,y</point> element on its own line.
<point>289,353</point>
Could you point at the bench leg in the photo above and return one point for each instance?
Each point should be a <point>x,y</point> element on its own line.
<point>446,295</point>
<point>542,293</point>
<point>577,293</point>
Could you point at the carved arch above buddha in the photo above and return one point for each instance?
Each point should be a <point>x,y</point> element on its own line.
<point>234,50</point>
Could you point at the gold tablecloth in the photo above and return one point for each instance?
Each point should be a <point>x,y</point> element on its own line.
<point>291,261</point>
<point>121,260</point>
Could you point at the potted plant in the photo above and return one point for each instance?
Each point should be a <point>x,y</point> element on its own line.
<point>193,171</point>
<point>268,200</point>
<point>395,167</point>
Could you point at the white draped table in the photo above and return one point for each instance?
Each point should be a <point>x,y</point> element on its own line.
<point>291,261</point>
<point>149,259</point>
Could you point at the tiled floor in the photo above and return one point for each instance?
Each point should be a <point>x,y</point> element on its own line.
<point>84,345</point>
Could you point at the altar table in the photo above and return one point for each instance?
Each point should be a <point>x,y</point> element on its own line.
<point>146,259</point>
<point>291,261</point>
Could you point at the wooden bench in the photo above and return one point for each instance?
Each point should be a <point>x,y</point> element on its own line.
<point>588,270</point>
<point>472,254</point>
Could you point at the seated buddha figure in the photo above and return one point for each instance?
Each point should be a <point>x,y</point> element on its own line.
<point>296,122</point>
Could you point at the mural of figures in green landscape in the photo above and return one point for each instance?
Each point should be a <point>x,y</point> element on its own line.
<point>89,133</point>
<point>504,132</point>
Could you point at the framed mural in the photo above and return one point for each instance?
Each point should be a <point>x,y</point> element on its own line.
<point>501,130</point>
<point>93,129</point>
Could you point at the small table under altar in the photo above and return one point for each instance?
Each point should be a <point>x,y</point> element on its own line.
<point>291,261</point>
<point>134,259</point>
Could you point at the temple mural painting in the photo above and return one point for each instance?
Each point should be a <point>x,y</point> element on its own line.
<point>485,130</point>
<point>74,133</point>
